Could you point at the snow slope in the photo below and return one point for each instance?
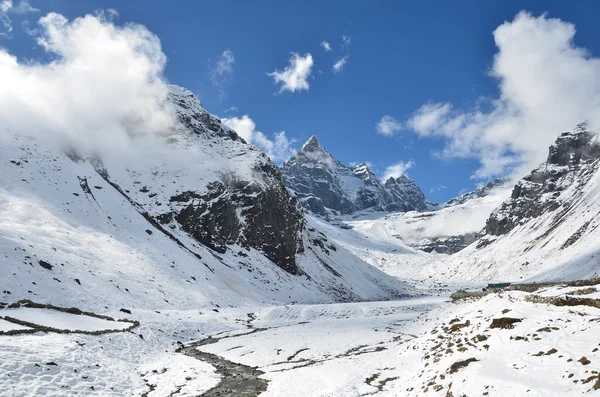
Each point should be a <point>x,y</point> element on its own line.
<point>94,224</point>
<point>102,232</point>
<point>547,230</point>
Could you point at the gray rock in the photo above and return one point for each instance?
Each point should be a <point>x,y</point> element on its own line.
<point>327,187</point>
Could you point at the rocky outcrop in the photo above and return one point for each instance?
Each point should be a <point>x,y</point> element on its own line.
<point>446,245</point>
<point>252,210</point>
<point>326,187</point>
<point>571,160</point>
<point>246,213</point>
<point>407,196</point>
<point>478,193</point>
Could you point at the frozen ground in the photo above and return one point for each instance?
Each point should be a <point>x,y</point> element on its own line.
<point>394,348</point>
<point>61,320</point>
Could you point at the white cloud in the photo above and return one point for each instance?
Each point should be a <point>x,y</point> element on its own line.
<point>293,77</point>
<point>278,150</point>
<point>24,8</point>
<point>437,188</point>
<point>28,30</point>
<point>428,118</point>
<point>346,40</point>
<point>103,88</point>
<point>388,125</point>
<point>340,63</point>
<point>547,85</point>
<point>112,13</point>
<point>395,170</point>
<point>243,126</point>
<point>221,73</point>
<point>6,7</point>
<point>326,46</point>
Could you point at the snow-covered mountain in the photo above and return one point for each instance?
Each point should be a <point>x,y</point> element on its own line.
<point>326,187</point>
<point>443,228</point>
<point>199,217</point>
<point>547,229</point>
<point>483,191</point>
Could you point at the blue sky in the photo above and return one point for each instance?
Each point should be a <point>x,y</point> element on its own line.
<point>400,56</point>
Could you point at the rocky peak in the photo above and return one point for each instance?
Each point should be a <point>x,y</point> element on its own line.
<point>325,186</point>
<point>251,210</point>
<point>481,192</point>
<point>572,161</point>
<point>572,148</point>
<point>408,196</point>
<point>312,145</point>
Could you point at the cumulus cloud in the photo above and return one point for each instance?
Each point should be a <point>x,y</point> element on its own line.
<point>339,64</point>
<point>221,73</point>
<point>326,46</point>
<point>388,126</point>
<point>6,7</point>
<point>395,170</point>
<point>278,149</point>
<point>293,77</point>
<point>429,117</point>
<point>547,85</point>
<point>103,88</point>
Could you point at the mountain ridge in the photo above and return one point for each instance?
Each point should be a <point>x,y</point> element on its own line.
<point>327,187</point>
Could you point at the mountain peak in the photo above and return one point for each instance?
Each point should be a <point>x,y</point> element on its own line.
<point>312,145</point>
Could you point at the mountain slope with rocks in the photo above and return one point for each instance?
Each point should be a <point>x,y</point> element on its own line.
<point>444,228</point>
<point>546,230</point>
<point>202,217</point>
<point>329,188</point>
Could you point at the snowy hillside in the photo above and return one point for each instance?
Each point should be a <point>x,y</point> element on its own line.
<point>329,188</point>
<point>446,228</point>
<point>208,216</point>
<point>546,230</point>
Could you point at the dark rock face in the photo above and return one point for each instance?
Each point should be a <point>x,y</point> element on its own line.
<point>324,184</point>
<point>257,213</point>
<point>571,160</point>
<point>407,196</point>
<point>268,220</point>
<point>446,245</point>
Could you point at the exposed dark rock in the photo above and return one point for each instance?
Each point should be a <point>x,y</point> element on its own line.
<point>271,220</point>
<point>45,265</point>
<point>446,245</point>
<point>504,322</point>
<point>258,213</point>
<point>461,364</point>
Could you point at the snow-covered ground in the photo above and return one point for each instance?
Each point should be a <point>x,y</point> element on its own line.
<point>395,348</point>
<point>63,321</point>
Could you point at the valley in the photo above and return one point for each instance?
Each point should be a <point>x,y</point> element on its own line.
<point>191,264</point>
